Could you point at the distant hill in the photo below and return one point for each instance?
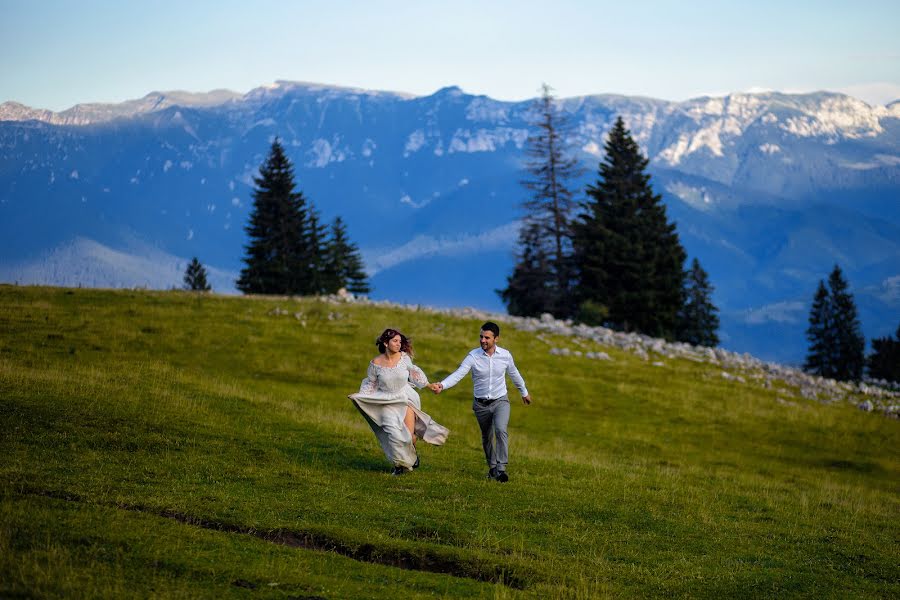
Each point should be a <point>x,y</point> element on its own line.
<point>769,191</point>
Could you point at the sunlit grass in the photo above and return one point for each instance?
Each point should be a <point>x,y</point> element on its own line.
<point>120,410</point>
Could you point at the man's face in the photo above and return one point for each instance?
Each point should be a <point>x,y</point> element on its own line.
<point>488,341</point>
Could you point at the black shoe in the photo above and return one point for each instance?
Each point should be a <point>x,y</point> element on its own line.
<point>397,471</point>
<point>416,466</point>
<point>502,477</point>
<point>492,474</point>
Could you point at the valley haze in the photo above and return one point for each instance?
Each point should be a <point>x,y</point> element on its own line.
<point>769,191</point>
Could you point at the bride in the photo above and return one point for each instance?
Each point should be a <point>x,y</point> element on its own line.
<point>391,406</point>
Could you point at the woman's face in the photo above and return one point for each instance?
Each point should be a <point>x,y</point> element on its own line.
<point>393,344</point>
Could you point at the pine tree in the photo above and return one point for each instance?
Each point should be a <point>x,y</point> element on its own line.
<point>627,254</point>
<point>279,253</point>
<point>529,292</point>
<point>820,334</point>
<point>195,277</point>
<point>850,345</point>
<point>698,319</point>
<point>546,228</point>
<point>316,244</point>
<point>837,346</point>
<point>357,280</point>
<point>343,263</point>
<point>884,362</point>
<point>333,258</point>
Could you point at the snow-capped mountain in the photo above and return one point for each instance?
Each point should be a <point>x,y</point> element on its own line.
<point>87,114</point>
<point>769,190</point>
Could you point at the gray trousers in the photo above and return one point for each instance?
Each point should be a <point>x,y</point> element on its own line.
<point>493,419</point>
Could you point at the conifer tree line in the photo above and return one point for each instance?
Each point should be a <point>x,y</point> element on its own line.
<point>836,343</point>
<point>613,258</point>
<point>290,251</point>
<point>884,362</point>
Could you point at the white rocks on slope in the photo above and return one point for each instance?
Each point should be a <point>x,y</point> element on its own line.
<point>809,386</point>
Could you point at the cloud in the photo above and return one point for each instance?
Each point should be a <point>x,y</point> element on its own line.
<point>889,290</point>
<point>423,245</point>
<point>405,199</point>
<point>780,312</point>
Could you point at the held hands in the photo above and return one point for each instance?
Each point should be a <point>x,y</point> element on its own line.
<point>437,388</point>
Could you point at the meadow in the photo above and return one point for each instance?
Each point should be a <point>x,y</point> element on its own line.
<point>171,444</point>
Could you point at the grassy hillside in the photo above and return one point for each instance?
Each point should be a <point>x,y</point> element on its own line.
<point>169,444</point>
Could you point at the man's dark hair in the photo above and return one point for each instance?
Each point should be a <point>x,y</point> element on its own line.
<point>491,326</point>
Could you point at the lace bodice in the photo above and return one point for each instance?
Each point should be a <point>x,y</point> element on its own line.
<point>393,379</point>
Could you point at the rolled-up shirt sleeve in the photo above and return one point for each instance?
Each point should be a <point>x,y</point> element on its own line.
<point>516,377</point>
<point>454,377</point>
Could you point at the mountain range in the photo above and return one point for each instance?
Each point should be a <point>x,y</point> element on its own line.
<point>768,190</point>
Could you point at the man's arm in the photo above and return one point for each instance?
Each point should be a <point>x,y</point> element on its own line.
<point>517,380</point>
<point>464,367</point>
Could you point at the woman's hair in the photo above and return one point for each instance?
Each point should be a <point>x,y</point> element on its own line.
<point>388,334</point>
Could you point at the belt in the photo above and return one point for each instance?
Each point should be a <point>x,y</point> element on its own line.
<point>486,401</point>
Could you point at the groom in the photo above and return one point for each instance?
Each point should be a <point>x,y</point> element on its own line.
<point>489,365</point>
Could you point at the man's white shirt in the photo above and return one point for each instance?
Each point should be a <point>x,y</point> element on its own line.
<point>488,373</point>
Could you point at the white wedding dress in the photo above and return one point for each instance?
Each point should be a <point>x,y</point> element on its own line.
<point>382,399</point>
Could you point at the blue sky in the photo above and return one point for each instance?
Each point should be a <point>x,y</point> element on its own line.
<point>56,53</point>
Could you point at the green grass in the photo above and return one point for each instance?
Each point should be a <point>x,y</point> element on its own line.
<point>177,445</point>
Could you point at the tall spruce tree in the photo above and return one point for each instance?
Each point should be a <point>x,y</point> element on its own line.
<point>545,237</point>
<point>884,362</point>
<point>195,277</point>
<point>850,345</point>
<point>279,253</point>
<point>344,265</point>
<point>357,280</point>
<point>335,257</point>
<point>628,255</point>
<point>836,343</point>
<point>316,243</point>
<point>820,334</point>
<point>698,320</point>
<point>529,292</point>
